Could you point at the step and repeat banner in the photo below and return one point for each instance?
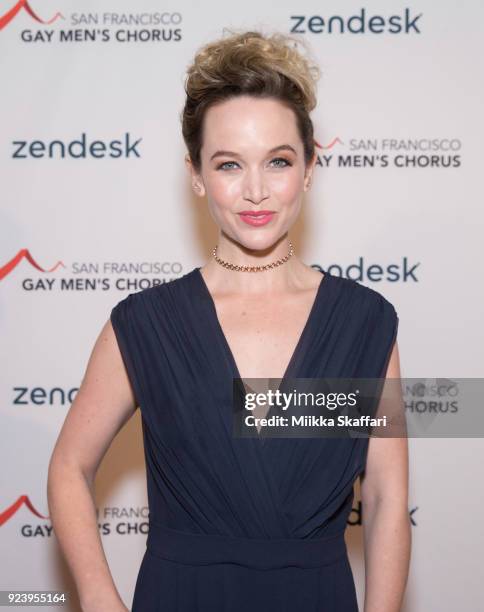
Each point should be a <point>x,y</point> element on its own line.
<point>96,203</point>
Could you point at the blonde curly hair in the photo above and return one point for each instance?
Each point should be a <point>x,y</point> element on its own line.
<point>250,63</point>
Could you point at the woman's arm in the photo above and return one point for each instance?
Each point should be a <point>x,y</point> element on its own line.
<point>103,404</point>
<point>386,522</point>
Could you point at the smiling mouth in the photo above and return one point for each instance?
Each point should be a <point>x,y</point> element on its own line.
<point>257,219</point>
<point>259,213</point>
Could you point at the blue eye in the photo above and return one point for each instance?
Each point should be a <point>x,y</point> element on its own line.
<point>221,167</point>
<point>286,162</point>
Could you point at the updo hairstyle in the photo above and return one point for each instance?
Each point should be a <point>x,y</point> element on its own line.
<point>249,63</point>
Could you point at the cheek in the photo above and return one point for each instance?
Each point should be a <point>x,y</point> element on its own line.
<point>223,191</point>
<point>288,186</point>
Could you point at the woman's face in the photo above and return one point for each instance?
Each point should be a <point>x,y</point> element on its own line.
<point>252,159</point>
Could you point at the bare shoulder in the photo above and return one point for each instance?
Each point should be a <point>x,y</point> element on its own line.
<point>103,404</point>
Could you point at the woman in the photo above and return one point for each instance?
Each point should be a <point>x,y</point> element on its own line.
<point>239,523</point>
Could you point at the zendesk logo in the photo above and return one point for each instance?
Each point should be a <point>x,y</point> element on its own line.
<point>76,149</point>
<point>356,24</point>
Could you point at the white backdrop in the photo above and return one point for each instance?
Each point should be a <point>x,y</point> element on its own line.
<point>399,185</point>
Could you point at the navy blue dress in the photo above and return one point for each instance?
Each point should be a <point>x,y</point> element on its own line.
<point>244,524</point>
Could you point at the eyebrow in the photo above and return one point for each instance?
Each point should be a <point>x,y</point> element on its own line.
<point>283,147</point>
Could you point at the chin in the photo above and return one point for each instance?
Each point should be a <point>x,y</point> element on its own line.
<point>260,243</point>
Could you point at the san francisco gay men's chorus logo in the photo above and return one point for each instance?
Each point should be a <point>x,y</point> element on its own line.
<point>24,4</point>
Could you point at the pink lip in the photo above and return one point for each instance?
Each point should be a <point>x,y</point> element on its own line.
<point>261,217</point>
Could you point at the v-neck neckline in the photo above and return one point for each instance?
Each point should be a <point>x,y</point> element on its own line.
<point>295,357</point>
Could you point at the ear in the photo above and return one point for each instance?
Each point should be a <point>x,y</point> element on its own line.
<point>308,174</point>
<point>196,179</point>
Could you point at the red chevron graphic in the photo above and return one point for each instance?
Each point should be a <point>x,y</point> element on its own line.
<point>24,253</point>
<point>11,510</point>
<point>24,4</point>
<point>336,140</point>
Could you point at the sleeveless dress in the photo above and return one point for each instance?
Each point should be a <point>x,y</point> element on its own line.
<point>244,524</point>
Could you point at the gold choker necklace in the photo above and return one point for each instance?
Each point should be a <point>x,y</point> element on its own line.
<point>230,266</point>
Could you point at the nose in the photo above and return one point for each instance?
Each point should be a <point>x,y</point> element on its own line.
<point>255,188</point>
